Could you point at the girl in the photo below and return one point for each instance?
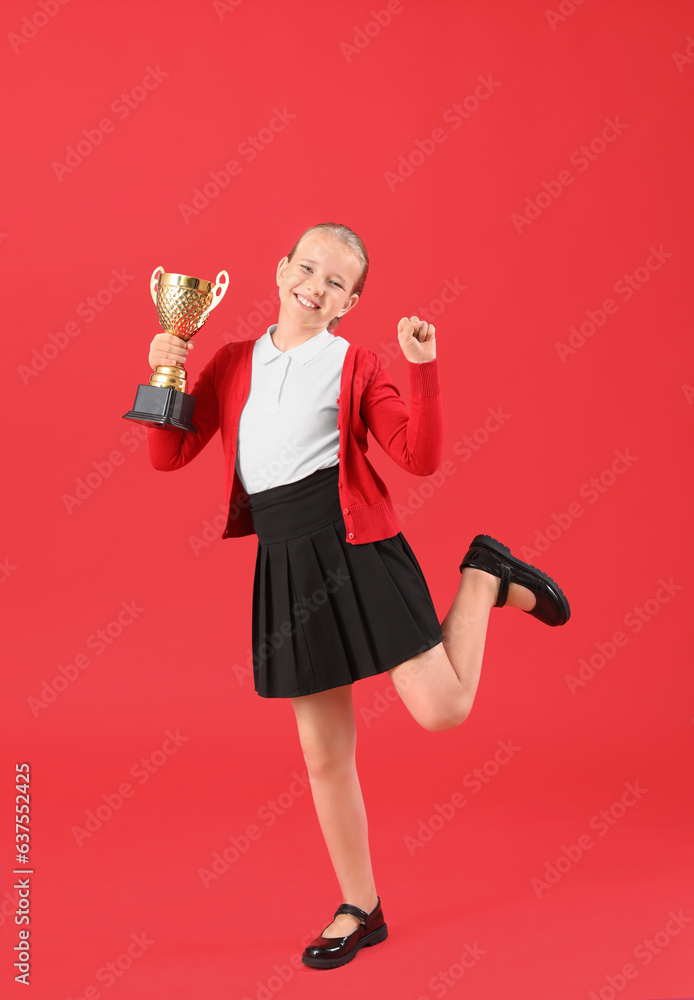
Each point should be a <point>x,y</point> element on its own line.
<point>338,594</point>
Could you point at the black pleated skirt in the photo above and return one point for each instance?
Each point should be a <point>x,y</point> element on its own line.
<point>327,612</point>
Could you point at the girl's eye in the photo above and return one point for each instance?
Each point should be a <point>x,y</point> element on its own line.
<point>334,282</point>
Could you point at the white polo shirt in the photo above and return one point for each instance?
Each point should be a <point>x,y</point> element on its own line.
<point>288,425</point>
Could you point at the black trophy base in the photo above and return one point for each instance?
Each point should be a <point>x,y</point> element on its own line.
<point>163,407</point>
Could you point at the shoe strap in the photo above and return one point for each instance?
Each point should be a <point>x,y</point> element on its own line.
<point>353,911</point>
<point>505,574</point>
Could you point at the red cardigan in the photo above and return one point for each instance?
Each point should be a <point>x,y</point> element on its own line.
<point>368,400</point>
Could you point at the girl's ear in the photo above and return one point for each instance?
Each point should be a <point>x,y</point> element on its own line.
<point>280,267</point>
<point>354,299</point>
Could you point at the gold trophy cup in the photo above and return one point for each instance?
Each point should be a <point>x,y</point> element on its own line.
<point>183,304</point>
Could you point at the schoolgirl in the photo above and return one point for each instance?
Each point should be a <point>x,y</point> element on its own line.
<point>338,594</point>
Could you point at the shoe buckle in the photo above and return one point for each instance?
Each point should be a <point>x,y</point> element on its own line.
<point>353,911</point>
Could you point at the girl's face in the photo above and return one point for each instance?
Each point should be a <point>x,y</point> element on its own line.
<point>322,273</point>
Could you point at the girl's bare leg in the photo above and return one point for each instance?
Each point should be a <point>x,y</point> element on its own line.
<point>327,732</point>
<point>438,686</point>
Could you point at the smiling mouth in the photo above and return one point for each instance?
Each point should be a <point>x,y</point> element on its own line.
<point>306,303</point>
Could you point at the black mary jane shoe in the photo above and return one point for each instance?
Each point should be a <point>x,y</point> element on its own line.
<point>329,953</point>
<point>486,553</point>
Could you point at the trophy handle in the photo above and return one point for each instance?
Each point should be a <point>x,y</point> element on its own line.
<point>154,281</point>
<point>220,288</point>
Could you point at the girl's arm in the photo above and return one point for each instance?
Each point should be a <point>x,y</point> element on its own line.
<point>414,439</point>
<point>171,449</point>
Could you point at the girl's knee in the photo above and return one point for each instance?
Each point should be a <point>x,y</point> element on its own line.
<point>330,762</point>
<point>439,720</point>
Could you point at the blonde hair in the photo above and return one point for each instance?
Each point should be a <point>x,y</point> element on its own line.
<point>351,242</point>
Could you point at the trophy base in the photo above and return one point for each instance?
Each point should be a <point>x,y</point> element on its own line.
<point>162,407</point>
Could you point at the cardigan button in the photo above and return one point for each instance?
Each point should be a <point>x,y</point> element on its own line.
<point>351,534</point>
<point>345,510</point>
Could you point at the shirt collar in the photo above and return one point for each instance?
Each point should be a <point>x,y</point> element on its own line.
<point>302,353</point>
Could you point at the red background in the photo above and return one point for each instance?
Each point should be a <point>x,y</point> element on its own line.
<point>628,387</point>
